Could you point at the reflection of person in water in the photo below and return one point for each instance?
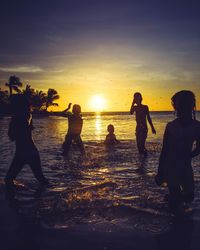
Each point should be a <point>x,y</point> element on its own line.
<point>110,137</point>
<point>142,115</point>
<point>75,123</point>
<point>175,160</point>
<point>20,131</point>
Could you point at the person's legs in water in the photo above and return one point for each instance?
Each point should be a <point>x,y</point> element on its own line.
<point>35,165</point>
<point>188,197</point>
<point>80,144</point>
<point>67,143</point>
<point>141,136</point>
<point>183,193</point>
<point>15,167</point>
<point>188,187</point>
<point>175,198</point>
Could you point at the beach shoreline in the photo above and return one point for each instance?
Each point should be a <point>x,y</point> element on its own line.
<point>22,232</point>
<point>19,232</point>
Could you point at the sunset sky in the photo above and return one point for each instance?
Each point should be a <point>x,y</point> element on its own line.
<point>106,48</point>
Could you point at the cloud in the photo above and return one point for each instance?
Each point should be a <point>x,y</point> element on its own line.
<point>21,69</point>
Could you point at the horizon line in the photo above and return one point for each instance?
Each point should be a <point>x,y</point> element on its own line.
<point>100,112</point>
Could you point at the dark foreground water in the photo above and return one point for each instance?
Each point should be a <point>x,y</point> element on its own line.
<point>115,187</point>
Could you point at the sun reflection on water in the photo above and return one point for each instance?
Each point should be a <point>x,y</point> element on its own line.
<point>98,126</point>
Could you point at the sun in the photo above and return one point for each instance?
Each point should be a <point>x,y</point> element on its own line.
<point>97,103</point>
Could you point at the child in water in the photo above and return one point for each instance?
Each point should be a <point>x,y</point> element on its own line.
<point>142,115</point>
<point>177,152</point>
<point>111,138</point>
<point>75,123</point>
<point>20,131</point>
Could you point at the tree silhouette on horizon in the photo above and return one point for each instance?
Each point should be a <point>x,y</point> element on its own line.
<point>39,99</point>
<point>52,95</point>
<point>14,83</point>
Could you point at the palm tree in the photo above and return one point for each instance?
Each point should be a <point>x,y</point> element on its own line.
<point>29,92</point>
<point>13,84</point>
<point>52,95</point>
<point>39,100</point>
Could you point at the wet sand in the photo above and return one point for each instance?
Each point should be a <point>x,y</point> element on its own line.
<point>22,231</point>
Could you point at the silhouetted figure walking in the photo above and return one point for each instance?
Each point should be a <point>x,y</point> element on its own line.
<point>110,137</point>
<point>75,124</point>
<point>177,152</point>
<point>20,131</point>
<point>142,115</point>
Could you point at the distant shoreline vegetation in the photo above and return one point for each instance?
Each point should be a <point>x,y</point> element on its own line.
<point>39,100</point>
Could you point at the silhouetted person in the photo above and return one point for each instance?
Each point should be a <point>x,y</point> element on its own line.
<point>111,138</point>
<point>177,152</point>
<point>75,124</point>
<point>142,115</point>
<point>20,131</point>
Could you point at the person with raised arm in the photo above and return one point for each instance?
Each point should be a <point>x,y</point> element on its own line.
<point>75,124</point>
<point>142,116</point>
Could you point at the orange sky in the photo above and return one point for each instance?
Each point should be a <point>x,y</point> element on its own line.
<point>114,86</point>
<point>114,80</point>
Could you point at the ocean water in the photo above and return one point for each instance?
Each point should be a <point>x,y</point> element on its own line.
<point>113,187</point>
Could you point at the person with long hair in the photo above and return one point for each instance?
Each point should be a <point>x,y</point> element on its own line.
<point>181,143</point>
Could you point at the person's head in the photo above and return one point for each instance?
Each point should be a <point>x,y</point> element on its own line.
<point>20,105</point>
<point>110,128</point>
<point>76,109</point>
<point>137,98</point>
<point>184,104</point>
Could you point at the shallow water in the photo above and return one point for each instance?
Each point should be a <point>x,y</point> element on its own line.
<point>115,187</point>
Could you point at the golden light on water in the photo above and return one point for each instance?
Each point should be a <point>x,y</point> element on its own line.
<point>98,126</point>
<point>97,103</point>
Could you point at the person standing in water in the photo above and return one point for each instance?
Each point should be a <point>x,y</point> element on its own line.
<point>175,169</point>
<point>142,115</point>
<point>20,131</point>
<point>75,124</point>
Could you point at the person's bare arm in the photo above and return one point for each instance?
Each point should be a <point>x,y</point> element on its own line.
<point>150,121</point>
<point>68,108</point>
<point>117,141</point>
<point>159,178</point>
<point>31,123</point>
<point>132,110</point>
<point>196,151</point>
<point>106,140</point>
